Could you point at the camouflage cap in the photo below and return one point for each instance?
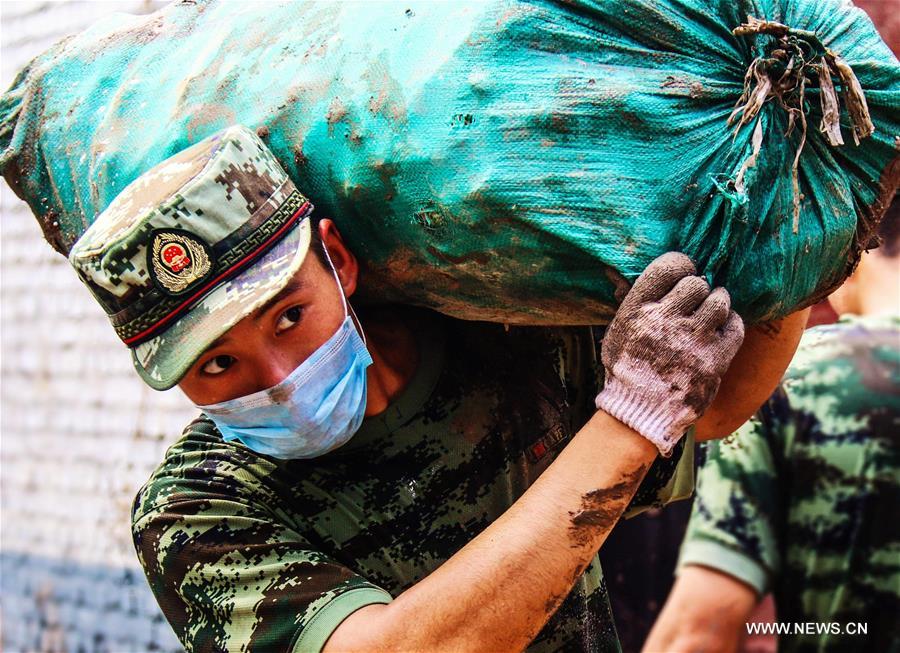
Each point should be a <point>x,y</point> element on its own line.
<point>191,247</point>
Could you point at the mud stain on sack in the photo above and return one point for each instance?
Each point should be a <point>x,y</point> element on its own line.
<point>337,112</point>
<point>562,123</point>
<point>301,161</point>
<point>865,238</point>
<point>472,257</point>
<point>518,133</point>
<point>633,120</point>
<point>203,115</point>
<point>462,120</point>
<point>695,89</point>
<point>387,97</point>
<point>153,26</point>
<point>602,507</point>
<point>308,94</point>
<point>62,243</point>
<point>483,201</point>
<point>386,173</point>
<point>888,184</point>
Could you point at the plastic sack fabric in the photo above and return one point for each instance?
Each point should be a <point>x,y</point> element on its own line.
<point>518,162</point>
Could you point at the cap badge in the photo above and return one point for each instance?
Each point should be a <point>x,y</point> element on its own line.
<point>178,260</point>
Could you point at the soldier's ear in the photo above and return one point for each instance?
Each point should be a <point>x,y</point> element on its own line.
<point>345,263</point>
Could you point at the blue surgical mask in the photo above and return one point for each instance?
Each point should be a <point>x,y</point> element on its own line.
<point>316,409</point>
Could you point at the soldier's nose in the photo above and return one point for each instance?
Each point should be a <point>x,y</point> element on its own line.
<point>273,370</point>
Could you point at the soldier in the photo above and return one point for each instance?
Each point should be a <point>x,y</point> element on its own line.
<point>373,483</point>
<point>802,501</point>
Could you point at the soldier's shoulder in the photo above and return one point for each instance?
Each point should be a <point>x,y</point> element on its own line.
<point>200,465</point>
<point>843,342</point>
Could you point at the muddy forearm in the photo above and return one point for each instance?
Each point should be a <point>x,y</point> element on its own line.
<point>753,375</point>
<point>499,590</point>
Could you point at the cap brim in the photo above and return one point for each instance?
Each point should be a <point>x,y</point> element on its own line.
<point>162,361</point>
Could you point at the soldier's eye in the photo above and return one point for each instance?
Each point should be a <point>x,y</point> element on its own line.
<point>218,364</point>
<point>289,319</point>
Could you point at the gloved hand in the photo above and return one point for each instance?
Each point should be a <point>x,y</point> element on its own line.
<point>666,350</point>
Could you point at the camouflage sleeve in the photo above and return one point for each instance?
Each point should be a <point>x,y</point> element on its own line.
<point>737,515</point>
<point>667,480</point>
<point>230,577</point>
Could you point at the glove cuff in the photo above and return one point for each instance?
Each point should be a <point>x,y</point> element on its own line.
<point>649,418</point>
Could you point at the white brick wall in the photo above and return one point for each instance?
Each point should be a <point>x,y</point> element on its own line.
<point>79,432</point>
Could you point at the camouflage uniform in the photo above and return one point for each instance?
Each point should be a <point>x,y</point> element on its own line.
<point>250,553</point>
<point>802,500</point>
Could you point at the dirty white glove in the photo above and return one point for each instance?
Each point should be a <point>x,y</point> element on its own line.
<point>666,350</point>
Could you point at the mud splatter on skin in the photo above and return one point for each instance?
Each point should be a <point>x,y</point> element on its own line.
<point>769,329</point>
<point>602,507</point>
<point>553,603</point>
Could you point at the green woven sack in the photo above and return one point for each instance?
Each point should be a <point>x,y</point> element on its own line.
<point>509,161</point>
